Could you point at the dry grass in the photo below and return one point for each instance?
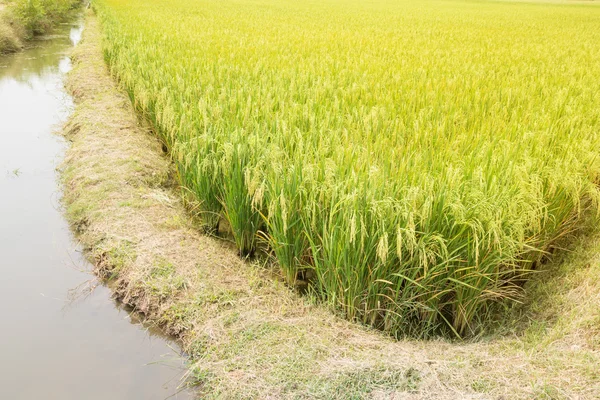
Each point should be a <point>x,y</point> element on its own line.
<point>251,337</point>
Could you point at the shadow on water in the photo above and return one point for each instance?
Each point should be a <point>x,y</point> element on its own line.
<point>54,343</point>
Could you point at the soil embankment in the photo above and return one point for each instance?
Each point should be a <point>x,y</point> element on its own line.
<point>249,335</point>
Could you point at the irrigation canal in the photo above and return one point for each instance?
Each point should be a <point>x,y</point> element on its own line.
<point>58,340</point>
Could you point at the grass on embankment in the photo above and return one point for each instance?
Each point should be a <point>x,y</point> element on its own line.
<point>21,20</point>
<point>251,337</point>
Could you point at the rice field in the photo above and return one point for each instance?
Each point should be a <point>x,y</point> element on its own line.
<point>413,160</point>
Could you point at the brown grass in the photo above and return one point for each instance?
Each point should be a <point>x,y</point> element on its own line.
<point>251,337</point>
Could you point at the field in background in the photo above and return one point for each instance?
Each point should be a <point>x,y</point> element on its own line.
<point>414,160</point>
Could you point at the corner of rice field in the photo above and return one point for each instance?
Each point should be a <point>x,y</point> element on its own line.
<point>250,336</point>
<point>414,160</point>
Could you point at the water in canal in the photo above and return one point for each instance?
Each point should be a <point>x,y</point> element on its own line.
<point>54,345</point>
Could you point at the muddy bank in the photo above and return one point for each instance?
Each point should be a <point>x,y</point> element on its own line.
<point>250,336</point>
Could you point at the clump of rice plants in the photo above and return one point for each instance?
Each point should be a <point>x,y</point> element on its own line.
<point>416,158</point>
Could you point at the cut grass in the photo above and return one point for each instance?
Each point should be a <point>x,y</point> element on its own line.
<point>249,336</point>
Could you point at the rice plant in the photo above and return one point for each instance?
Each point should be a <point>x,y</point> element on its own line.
<point>415,158</point>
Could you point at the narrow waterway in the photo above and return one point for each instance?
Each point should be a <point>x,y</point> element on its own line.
<point>56,342</point>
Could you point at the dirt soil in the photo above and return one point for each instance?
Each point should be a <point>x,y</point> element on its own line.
<point>247,334</point>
